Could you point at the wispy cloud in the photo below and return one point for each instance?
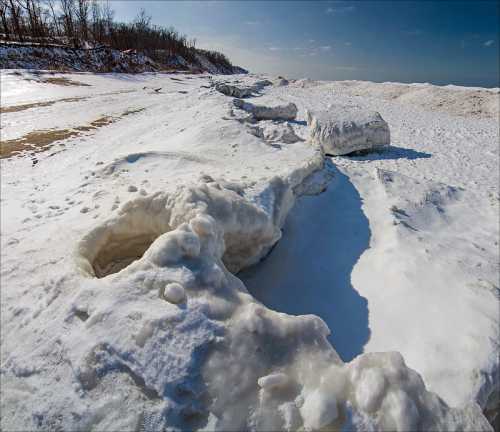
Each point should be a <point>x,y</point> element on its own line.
<point>252,23</point>
<point>336,10</point>
<point>348,43</point>
<point>325,48</point>
<point>274,48</point>
<point>489,43</point>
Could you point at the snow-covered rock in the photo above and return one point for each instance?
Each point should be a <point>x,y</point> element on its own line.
<point>262,112</point>
<point>344,130</point>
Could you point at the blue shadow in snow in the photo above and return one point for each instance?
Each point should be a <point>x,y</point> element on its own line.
<point>390,152</point>
<point>309,270</point>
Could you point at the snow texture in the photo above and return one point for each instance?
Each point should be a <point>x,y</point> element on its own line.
<point>125,304</point>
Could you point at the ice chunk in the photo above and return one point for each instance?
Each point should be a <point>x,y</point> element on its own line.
<point>232,90</point>
<point>275,380</point>
<point>262,112</point>
<point>343,130</point>
<point>319,410</point>
<point>174,293</point>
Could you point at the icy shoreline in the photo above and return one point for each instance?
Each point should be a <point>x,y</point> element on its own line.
<point>174,339</point>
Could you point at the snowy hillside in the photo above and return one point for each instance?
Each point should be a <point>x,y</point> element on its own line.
<point>14,55</point>
<point>173,258</point>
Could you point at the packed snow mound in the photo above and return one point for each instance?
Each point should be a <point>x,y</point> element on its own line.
<point>262,112</point>
<point>345,130</point>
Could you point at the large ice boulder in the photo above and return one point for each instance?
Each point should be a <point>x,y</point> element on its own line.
<point>262,112</point>
<point>242,91</point>
<point>234,91</point>
<point>343,130</point>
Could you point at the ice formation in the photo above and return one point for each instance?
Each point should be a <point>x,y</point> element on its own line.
<point>147,326</point>
<point>280,365</point>
<point>242,91</point>
<point>262,112</point>
<point>343,130</point>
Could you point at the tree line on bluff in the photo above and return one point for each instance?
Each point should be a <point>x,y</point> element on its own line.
<point>84,23</point>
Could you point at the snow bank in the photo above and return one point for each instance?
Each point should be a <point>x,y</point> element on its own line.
<point>344,130</point>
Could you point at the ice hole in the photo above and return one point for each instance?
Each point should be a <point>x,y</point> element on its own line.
<point>120,253</point>
<point>113,246</point>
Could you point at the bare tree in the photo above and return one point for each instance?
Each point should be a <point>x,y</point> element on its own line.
<point>3,17</point>
<point>82,14</point>
<point>15,14</point>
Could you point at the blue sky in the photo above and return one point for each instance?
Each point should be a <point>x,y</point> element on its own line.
<point>408,41</point>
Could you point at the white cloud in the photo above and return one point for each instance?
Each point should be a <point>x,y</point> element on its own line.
<point>335,10</point>
<point>348,43</point>
<point>274,48</point>
<point>325,48</point>
<point>489,43</point>
<point>252,23</point>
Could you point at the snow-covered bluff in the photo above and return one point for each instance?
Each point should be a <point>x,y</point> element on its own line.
<point>14,55</point>
<point>185,181</point>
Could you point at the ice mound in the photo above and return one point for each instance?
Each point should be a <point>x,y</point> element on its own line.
<point>234,91</point>
<point>344,130</point>
<point>282,372</point>
<point>242,91</point>
<point>261,112</point>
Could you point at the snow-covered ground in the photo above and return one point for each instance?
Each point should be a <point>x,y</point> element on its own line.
<point>135,210</point>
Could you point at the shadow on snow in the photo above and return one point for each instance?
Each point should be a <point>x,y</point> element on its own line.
<point>309,270</point>
<point>391,152</point>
